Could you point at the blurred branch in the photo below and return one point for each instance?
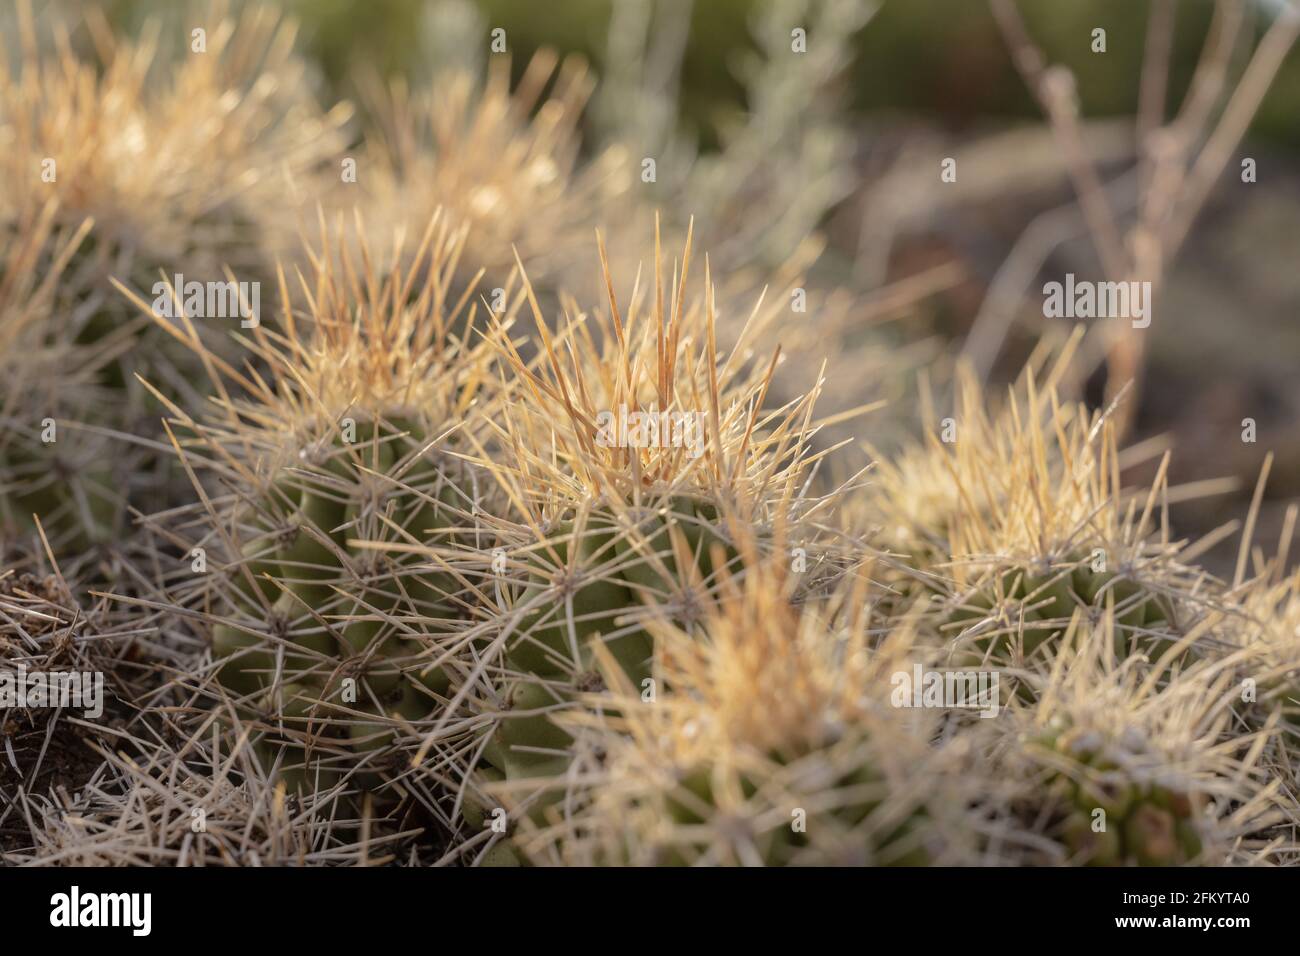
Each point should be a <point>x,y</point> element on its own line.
<point>1175,177</point>
<point>1054,87</point>
<point>1044,234</point>
<point>1241,109</point>
<point>1155,78</point>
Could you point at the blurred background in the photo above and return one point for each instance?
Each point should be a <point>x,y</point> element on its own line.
<point>926,273</point>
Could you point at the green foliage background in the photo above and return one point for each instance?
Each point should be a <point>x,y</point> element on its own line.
<point>938,58</point>
<point>942,58</point>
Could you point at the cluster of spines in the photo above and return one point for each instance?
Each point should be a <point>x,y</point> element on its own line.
<point>765,738</point>
<point>90,153</point>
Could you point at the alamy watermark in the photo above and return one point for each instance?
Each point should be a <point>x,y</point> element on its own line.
<point>1082,299</point>
<point>946,690</point>
<point>74,909</point>
<point>209,300</point>
<point>74,690</point>
<point>678,429</point>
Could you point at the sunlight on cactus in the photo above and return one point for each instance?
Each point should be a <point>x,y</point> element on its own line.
<point>323,487</point>
<point>569,502</point>
<point>772,742</point>
<point>502,163</point>
<point>1108,767</point>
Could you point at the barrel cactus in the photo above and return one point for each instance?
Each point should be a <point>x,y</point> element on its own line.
<point>112,158</point>
<point>1018,611</point>
<point>1114,767</point>
<point>769,738</point>
<point>1007,525</point>
<point>333,498</point>
<point>503,163</point>
<point>634,460</point>
<point>169,160</point>
<point>1267,630</point>
<point>1150,824</point>
<point>638,447</point>
<point>50,472</point>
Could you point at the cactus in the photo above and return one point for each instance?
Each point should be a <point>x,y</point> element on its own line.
<point>95,142</point>
<point>49,470</point>
<point>636,458</point>
<point>1148,824</point>
<point>1021,615</point>
<point>621,525</point>
<point>763,745</point>
<point>153,208</point>
<point>600,592</point>
<point>1020,522</point>
<point>1116,768</point>
<point>504,165</point>
<point>1268,631</point>
<point>331,500</point>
